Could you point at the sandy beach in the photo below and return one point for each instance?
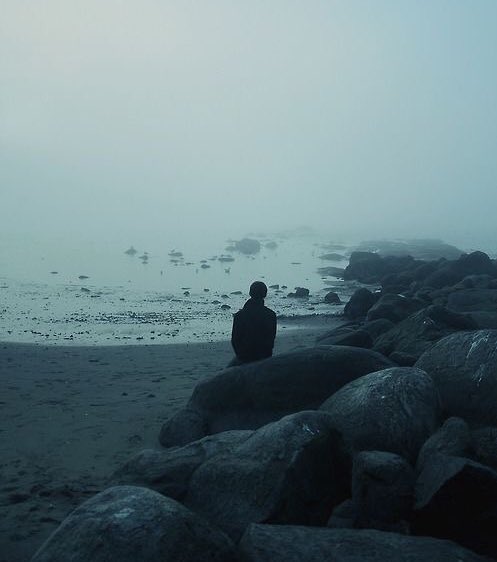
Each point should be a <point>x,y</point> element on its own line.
<point>71,415</point>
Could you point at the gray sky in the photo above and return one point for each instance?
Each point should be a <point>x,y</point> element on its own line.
<point>375,116</point>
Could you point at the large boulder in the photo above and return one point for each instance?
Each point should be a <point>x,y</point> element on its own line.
<point>370,267</point>
<point>451,272</point>
<point>464,369</point>
<point>382,490</point>
<point>480,303</point>
<point>278,543</point>
<point>421,330</point>
<point>168,471</point>
<point>484,446</point>
<point>359,303</point>
<point>453,439</point>
<point>347,335</point>
<point>394,308</point>
<point>290,471</point>
<point>254,394</point>
<point>126,524</point>
<point>456,498</point>
<point>392,410</point>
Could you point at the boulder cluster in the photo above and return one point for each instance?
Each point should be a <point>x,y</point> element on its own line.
<point>379,443</point>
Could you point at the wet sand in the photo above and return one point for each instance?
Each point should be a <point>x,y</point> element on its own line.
<point>72,415</point>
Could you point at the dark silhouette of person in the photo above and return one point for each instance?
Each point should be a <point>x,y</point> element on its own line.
<point>254,328</point>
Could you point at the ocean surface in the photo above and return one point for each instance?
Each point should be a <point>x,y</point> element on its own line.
<point>57,290</point>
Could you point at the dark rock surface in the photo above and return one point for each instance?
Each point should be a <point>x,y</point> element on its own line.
<point>484,446</point>
<point>168,471</point>
<point>126,524</point>
<point>453,438</point>
<point>456,498</point>
<point>418,248</point>
<point>332,298</point>
<point>392,410</point>
<point>253,394</point>
<point>382,490</point>
<point>464,369</point>
<point>359,304</point>
<point>451,272</point>
<point>276,543</point>
<point>356,338</point>
<point>299,293</point>
<point>421,330</point>
<point>291,471</point>
<point>393,307</point>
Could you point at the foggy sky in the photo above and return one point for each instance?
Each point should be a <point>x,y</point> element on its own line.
<point>375,116</point>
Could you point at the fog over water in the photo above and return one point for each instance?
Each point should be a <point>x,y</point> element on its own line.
<point>130,121</point>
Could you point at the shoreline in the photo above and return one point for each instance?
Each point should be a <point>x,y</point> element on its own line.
<point>73,414</point>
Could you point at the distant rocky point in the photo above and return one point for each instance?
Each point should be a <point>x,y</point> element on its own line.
<point>419,248</point>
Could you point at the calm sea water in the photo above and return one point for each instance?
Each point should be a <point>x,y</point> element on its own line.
<point>57,290</point>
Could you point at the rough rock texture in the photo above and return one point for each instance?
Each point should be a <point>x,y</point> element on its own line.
<point>480,303</point>
<point>453,438</point>
<point>456,498</point>
<point>377,327</point>
<point>451,272</point>
<point>275,543</point>
<point>332,298</point>
<point>464,369</point>
<point>394,308</point>
<point>291,471</point>
<point>168,471</point>
<point>359,303</point>
<point>251,395</point>
<point>392,410</point>
<point>421,330</point>
<point>126,524</point>
<point>484,446</point>
<point>382,490</point>
<point>355,338</point>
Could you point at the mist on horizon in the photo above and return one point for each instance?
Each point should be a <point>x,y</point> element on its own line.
<point>362,119</point>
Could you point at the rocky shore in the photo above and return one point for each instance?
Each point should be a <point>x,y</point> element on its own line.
<point>378,443</point>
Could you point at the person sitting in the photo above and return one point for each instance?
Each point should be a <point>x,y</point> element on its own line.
<point>254,328</point>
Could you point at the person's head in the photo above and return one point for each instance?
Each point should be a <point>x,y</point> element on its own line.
<point>258,290</point>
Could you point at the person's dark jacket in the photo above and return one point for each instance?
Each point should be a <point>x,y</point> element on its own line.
<point>254,330</point>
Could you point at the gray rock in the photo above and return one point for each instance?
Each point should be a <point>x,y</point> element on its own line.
<point>451,272</point>
<point>392,410</point>
<point>251,395</point>
<point>464,369</point>
<point>456,498</point>
<point>359,304</point>
<point>382,490</point>
<point>403,359</point>
<point>332,298</point>
<point>168,471</point>
<point>299,293</point>
<point>417,333</point>
<point>290,471</point>
<point>343,516</point>
<point>377,327</point>
<point>277,543</point>
<point>355,338</point>
<point>394,308</point>
<point>484,446</point>
<point>453,438</point>
<point>126,524</point>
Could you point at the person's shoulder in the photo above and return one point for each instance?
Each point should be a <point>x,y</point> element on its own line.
<point>270,312</point>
